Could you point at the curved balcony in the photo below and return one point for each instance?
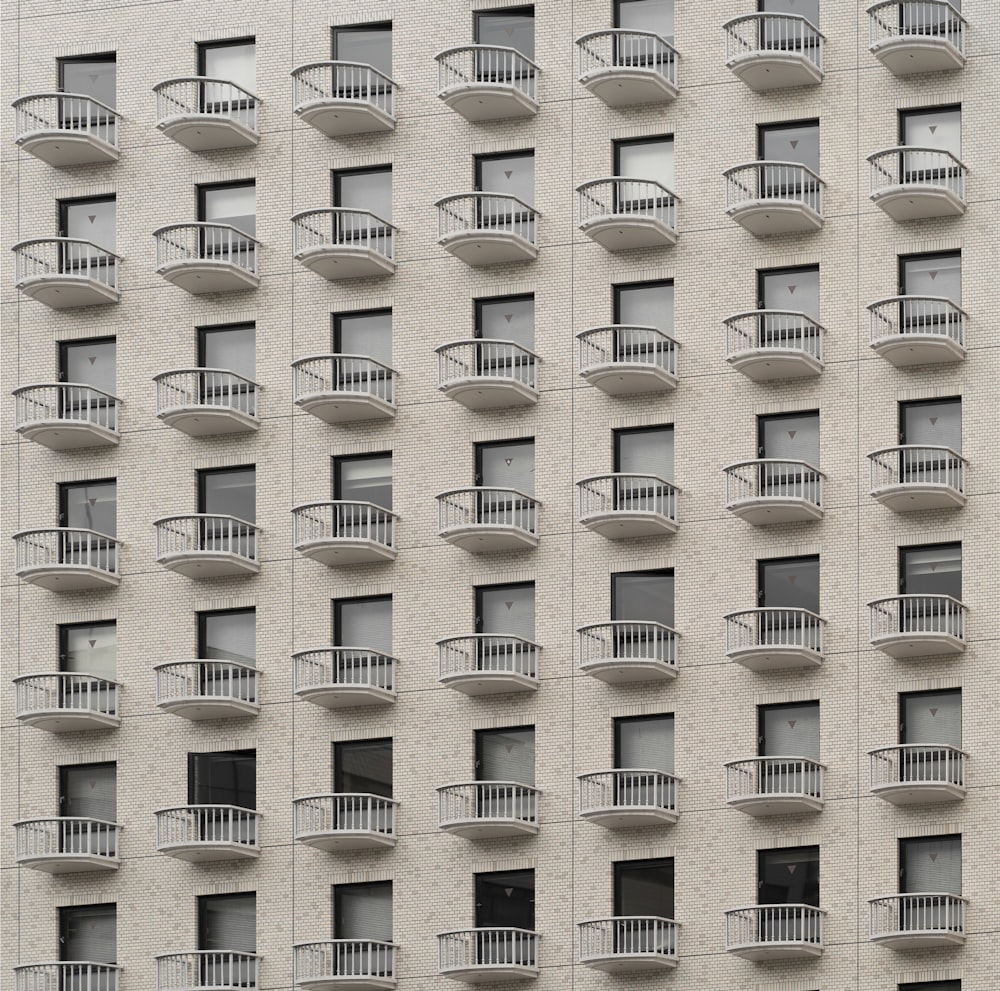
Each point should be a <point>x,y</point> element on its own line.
<point>912,774</point>
<point>345,822</point>
<point>775,932</point>
<point>623,360</point>
<point>914,183</point>
<point>342,98</point>
<point>206,545</point>
<point>628,944</point>
<point>909,36</point>
<point>76,974</point>
<point>627,797</point>
<point>622,505</point>
<point>206,970</point>
<point>917,625</point>
<point>772,639</point>
<point>342,677</point>
<point>488,665</point>
<point>67,845</point>
<point>67,559</point>
<point>67,702</point>
<point>487,228</point>
<point>917,330</point>
<point>625,68</point>
<point>65,129</point>
<point>205,401</point>
<point>201,689</point>
<point>620,213</point>
<point>205,114</point>
<point>485,809</point>
<point>623,651</point>
<point>774,51</point>
<point>917,921</point>
<point>66,416</point>
<point>337,532</point>
<point>65,272</point>
<point>201,833</point>
<point>206,258</point>
<point>343,244</point>
<point>478,956</point>
<point>911,477</point>
<point>769,786</point>
<point>768,490</point>
<point>486,82</point>
<point>767,345</point>
<point>488,373</point>
<point>344,388</point>
<point>480,519</point>
<point>345,965</point>
<point>769,198</point>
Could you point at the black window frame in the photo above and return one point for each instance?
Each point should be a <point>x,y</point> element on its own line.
<point>338,911</point>
<point>203,474</point>
<point>63,489</point>
<point>622,867</point>
<point>905,549</point>
<point>337,613</point>
<point>483,879</point>
<point>618,722</point>
<point>63,348</point>
<point>195,756</point>
<point>480,734</point>
<point>764,128</point>
<point>62,631</point>
<point>902,699</point>
<point>66,913</point>
<point>901,844</point>
<point>761,862</point>
<point>478,599</point>
<point>762,564</point>
<point>203,47</point>
<point>338,749</point>
<point>337,318</point>
<point>202,188</point>
<point>339,460</point>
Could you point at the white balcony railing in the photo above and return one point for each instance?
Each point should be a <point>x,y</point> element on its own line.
<point>487,358</point>
<point>70,257</point>
<point>780,34</point>
<point>67,836</point>
<point>349,82</point>
<point>192,825</point>
<point>627,788</point>
<point>70,975</point>
<point>212,388</point>
<point>351,375</point>
<point>187,96</point>
<point>74,547</point>
<point>763,777</point>
<point>766,182</point>
<point>487,800</point>
<point>71,113</point>
<point>486,653</point>
<point>912,464</point>
<point>65,402</point>
<point>627,345</point>
<point>487,65</point>
<point>335,227</point>
<point>634,51</point>
<point>487,507</point>
<point>765,330</point>
<point>205,970</point>
<point>627,199</point>
<point>759,925</point>
<point>343,961</point>
<point>915,166</point>
<point>339,667</point>
<point>774,628</point>
<point>219,244</point>
<point>916,20</point>
<point>626,493</point>
<point>324,814</point>
<point>337,520</point>
<point>771,478</point>
<point>914,615</point>
<point>916,764</point>
<point>628,641</point>
<point>627,936</point>
<point>923,913</point>
<point>899,316</point>
<point>65,691</point>
<point>487,949</point>
<point>212,533</point>
<point>215,681</point>
<point>491,213</point>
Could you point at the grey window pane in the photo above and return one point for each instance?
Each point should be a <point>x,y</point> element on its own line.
<point>934,275</point>
<point>646,742</point>
<point>650,160</point>
<point>370,45</point>
<point>89,791</point>
<point>507,30</point>
<point>88,932</point>
<point>809,9</point>
<point>364,479</point>
<point>937,424</point>
<point>646,452</point>
<point>507,610</point>
<point>363,767</point>
<point>90,649</point>
<point>231,493</point>
<point>233,63</point>
<point>508,466</point>
<point>508,319</point>
<point>645,888</point>
<point>790,438</point>
<point>790,731</point>
<point>932,864</point>
<point>231,348</point>
<point>229,636</point>
<point>507,755</point>
<point>790,584</point>
<point>368,334</point>
<point>362,912</point>
<point>647,15</point>
<point>365,623</point>
<point>92,506</point>
<point>932,570</point>
<point>91,220</point>
<point>228,923</point>
<point>799,143</point>
<point>509,175</point>
<point>96,78</point>
<point>232,205</point>
<point>791,289</point>
<point>932,717</point>
<point>368,190</point>
<point>90,363</point>
<point>643,597</point>
<point>646,306</point>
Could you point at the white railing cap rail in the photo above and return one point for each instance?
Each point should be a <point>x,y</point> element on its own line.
<point>327,941</point>
<point>343,502</point>
<point>490,929</point>
<point>486,341</point>
<point>627,622</point>
<point>69,963</point>
<point>487,48</point>
<point>628,326</point>
<point>204,79</point>
<point>775,757</point>
<point>772,15</point>
<point>206,516</point>
<point>21,245</point>
<point>354,65</point>
<point>872,9</point>
<point>773,609</point>
<point>922,149</point>
<point>65,529</point>
<point>901,895</point>
<point>479,193</point>
<point>22,389</point>
<point>629,918</point>
<point>66,674</point>
<point>99,822</point>
<point>774,461</point>
<point>487,488</point>
<point>64,96</point>
<point>211,808</point>
<point>625,178</point>
<point>927,595</point>
<point>625,474</point>
<point>916,299</point>
<point>491,784</point>
<point>761,163</point>
<point>784,906</point>
<point>629,32</point>
<point>204,225</point>
<point>346,794</point>
<point>208,953</point>
<point>342,210</point>
<point>917,447</point>
<point>743,314</point>
<point>488,636</point>
<point>628,770</point>
<point>333,650</point>
<point>163,665</point>
<point>919,746</point>
<point>331,356</point>
<point>201,369</point>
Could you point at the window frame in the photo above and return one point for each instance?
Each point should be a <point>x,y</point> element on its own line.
<point>65,915</point>
<point>233,755</point>
<point>338,748</point>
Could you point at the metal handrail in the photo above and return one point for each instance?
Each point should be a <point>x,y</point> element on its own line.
<point>627,788</point>
<point>485,65</point>
<point>344,812</point>
<point>489,653</point>
<point>935,316</point>
<point>768,181</point>
<point>915,165</point>
<point>773,478</point>
<point>66,836</point>
<point>334,667</point>
<point>342,520</point>
<point>351,959</point>
<point>205,96</point>
<point>924,911</point>
<point>486,506</point>
<point>916,464</point>
<point>627,640</point>
<point>58,546</point>
<point>206,970</point>
<point>625,48</point>
<point>68,402</point>
<point>621,492</point>
<point>75,257</point>
<point>789,923</point>
<point>774,627</point>
<point>621,196</point>
<point>487,800</point>
<point>753,777</point>
<point>486,357</point>
<point>352,374</point>
<point>185,825</point>
<point>220,244</point>
<point>351,82</point>
<point>789,330</point>
<point>627,344</point>
<point>914,615</point>
<point>206,533</point>
<point>496,213</point>
<point>916,764</point>
<point>628,936</point>
<point>206,679</point>
<point>487,948</point>
<point>752,34</point>
<point>65,113</point>
<point>212,388</point>
<point>80,975</point>
<point>919,20</point>
<point>342,228</point>
<point>68,691</point>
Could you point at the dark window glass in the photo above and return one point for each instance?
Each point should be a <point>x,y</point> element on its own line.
<point>506,755</point>
<point>643,597</point>
<point>89,363</point>
<point>363,912</point>
<point>931,717</point>
<point>88,932</point>
<point>513,27</point>
<point>506,899</point>
<point>364,478</point>
<point>789,583</point>
<point>645,888</point>
<point>88,791</point>
<point>933,569</point>
<point>228,492</point>
<point>930,864</point>
<point>507,465</point>
<point>229,635</point>
<point>227,927</point>
<point>789,876</point>
<point>363,767</point>
<point>364,623</point>
<point>932,985</point>
<point>223,778</point>
<point>232,204</point>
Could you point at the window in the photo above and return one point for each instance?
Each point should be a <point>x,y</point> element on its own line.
<point>505,624</point>
<point>644,462</point>
<point>638,305</point>
<point>91,221</point>
<point>509,181</point>
<point>642,602</point>
<point>367,194</point>
<point>506,319</point>
<point>646,15</point>
<point>89,363</point>
<point>363,767</point>
<point>925,428</point>
<point>89,649</point>
<point>363,912</point>
<point>785,34</point>
<point>231,209</point>
<point>363,334</point>
<point>786,443</point>
<point>223,352</point>
<point>644,894</point>
<point>365,478</point>
<point>649,166</point>
<point>225,63</point>
<point>363,629</point>
<point>933,130</point>
<point>790,731</point>
<point>933,985</point>
<point>644,743</point>
<point>227,930</point>
<point>931,865</point>
<point>788,876</point>
<point>89,506</point>
<point>505,473</point>
<point>93,76</point>
<point>506,755</point>
<point>935,282</point>
<point>228,777</point>
<point>512,27</point>
<point>928,720</point>
<point>505,899</point>
<point>228,499</point>
<point>226,638</point>
<point>88,791</point>
<point>369,44</point>
<point>789,298</point>
<point>88,933</point>
<point>930,574</point>
<point>789,589</point>
<point>790,145</point>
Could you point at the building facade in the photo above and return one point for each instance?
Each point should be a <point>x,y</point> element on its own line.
<point>500,493</point>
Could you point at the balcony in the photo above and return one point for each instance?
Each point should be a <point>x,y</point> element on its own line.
<point>207,258</point>
<point>205,401</point>
<point>774,639</point>
<point>206,114</point>
<point>621,360</point>
<point>916,36</point>
<point>775,932</point>
<point>914,774</point>
<point>66,416</point>
<point>344,388</point>
<point>769,198</point>
<point>480,956</point>
<point>770,786</point>
<point>343,244</point>
<point>482,810</point>
<point>206,970</point>
<point>201,833</point>
<point>337,533</point>
<point>198,690</point>
<point>774,51</point>
<point>487,228</point>
<point>345,822</point>
<point>914,183</point>
<point>625,68</point>
<point>67,845</point>
<point>621,214</point>
<point>488,373</point>
<point>628,944</point>
<point>67,702</point>
<point>204,545</point>
<point>623,651</point>
<point>343,98</point>
<point>766,491</point>
<point>65,272</point>
<point>917,625</point>
<point>345,965</point>
<point>480,520</point>
<point>770,345</point>
<point>628,797</point>
<point>66,129</point>
<point>343,677</point>
<point>917,921</point>
<point>485,82</point>
<point>67,559</point>
<point>488,665</point>
<point>621,505</point>
<point>75,975</point>
<point>917,330</point>
<point>909,478</point>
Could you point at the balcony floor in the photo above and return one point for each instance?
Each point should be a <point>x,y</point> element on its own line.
<point>346,982</point>
<point>337,551</point>
<point>63,148</point>
<point>206,851</point>
<point>919,792</point>
<point>619,378</point>
<point>490,973</point>
<point>619,524</point>
<point>68,577</point>
<point>768,510</point>
<point>481,247</point>
<point>482,538</point>
<point>345,407</point>
<point>61,291</point>
<point>199,276</point>
<point>489,682</point>
<point>201,707</point>
<point>628,87</point>
<point>209,564</point>
<point>775,658</point>
<point>919,939</point>
<point>207,132</point>
<point>776,804</point>
<point>630,963</point>
<point>625,231</point>
<point>206,421</point>
<point>485,829</point>
<point>627,817</point>
<point>904,350</point>
<point>762,218</point>
<point>791,949</point>
<point>68,435</point>
<point>68,720</point>
<point>772,69</point>
<point>488,101</point>
<point>913,644</point>
<point>337,118</point>
<point>770,364</point>
<point>343,261</point>
<point>906,54</point>
<point>347,839</point>
<point>625,670</point>
<point>489,392</point>
<point>912,496</point>
<point>917,201</point>
<point>346,696</point>
<point>70,863</point>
